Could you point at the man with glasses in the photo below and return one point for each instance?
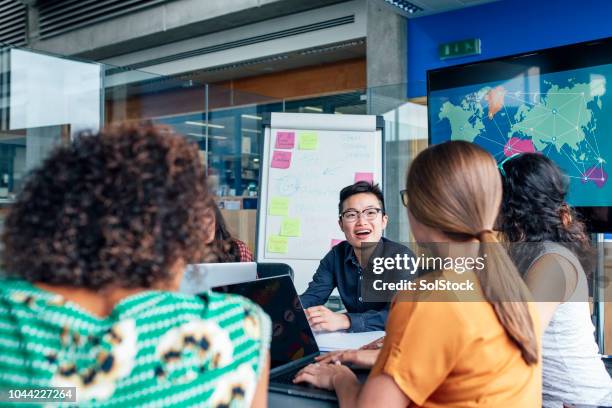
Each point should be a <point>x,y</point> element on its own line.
<point>362,218</point>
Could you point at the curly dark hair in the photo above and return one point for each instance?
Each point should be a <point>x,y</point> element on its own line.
<point>118,208</point>
<point>534,210</point>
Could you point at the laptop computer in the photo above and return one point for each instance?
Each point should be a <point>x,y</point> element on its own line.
<point>199,278</point>
<point>293,344</point>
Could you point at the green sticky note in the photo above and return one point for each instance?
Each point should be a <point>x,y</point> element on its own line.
<point>291,227</point>
<point>278,244</point>
<point>308,141</point>
<point>279,206</point>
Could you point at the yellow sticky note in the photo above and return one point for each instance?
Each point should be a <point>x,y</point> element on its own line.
<point>279,206</point>
<point>278,244</point>
<point>308,141</point>
<point>291,227</point>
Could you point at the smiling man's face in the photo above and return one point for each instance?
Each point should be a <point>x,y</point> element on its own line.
<point>362,229</point>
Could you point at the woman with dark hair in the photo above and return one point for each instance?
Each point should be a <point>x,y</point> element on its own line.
<point>439,351</point>
<point>551,249</point>
<point>94,247</point>
<point>228,248</point>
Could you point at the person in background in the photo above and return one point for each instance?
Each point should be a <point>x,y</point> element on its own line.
<point>362,219</point>
<point>94,249</point>
<point>228,248</point>
<point>552,250</point>
<point>439,351</point>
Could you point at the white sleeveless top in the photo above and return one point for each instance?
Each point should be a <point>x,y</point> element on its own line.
<point>572,369</point>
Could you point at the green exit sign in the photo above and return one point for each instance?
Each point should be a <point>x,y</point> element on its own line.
<point>459,48</point>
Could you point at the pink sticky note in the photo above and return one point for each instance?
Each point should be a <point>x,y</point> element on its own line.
<point>369,177</point>
<point>281,160</point>
<point>285,140</point>
<point>335,242</point>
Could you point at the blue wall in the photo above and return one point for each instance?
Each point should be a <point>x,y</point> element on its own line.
<point>505,27</point>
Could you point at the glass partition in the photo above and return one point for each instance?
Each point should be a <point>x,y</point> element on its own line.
<point>405,137</point>
<point>43,100</point>
<point>46,99</point>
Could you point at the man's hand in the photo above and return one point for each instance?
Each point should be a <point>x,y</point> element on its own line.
<point>321,318</point>
<point>359,358</point>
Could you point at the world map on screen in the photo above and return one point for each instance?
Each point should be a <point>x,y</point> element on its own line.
<point>565,115</point>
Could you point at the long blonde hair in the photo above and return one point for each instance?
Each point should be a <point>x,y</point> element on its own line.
<point>455,187</point>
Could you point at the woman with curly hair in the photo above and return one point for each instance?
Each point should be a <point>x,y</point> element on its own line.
<point>94,247</point>
<point>551,249</point>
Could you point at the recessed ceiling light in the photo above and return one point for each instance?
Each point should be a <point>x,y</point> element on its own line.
<point>251,117</point>
<point>200,136</point>
<point>204,124</point>
<point>404,5</point>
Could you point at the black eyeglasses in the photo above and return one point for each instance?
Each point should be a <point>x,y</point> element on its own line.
<point>404,195</point>
<point>369,214</point>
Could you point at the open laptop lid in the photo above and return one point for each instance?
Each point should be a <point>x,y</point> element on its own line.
<point>199,278</point>
<point>292,339</point>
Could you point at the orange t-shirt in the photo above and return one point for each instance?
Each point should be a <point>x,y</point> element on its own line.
<point>443,354</point>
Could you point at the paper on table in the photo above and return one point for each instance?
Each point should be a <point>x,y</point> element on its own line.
<point>345,341</point>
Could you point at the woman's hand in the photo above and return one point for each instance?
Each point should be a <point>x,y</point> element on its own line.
<point>324,375</point>
<point>379,391</point>
<point>359,358</point>
<point>321,318</point>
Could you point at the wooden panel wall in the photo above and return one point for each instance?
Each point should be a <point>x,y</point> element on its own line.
<point>342,76</point>
<point>315,80</point>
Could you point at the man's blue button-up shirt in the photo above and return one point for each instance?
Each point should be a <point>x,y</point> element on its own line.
<point>340,269</point>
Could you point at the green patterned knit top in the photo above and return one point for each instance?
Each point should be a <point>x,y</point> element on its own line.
<point>155,348</point>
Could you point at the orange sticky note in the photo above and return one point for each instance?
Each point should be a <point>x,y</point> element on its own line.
<point>281,159</point>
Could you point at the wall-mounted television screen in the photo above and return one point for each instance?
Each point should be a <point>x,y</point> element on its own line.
<point>554,101</point>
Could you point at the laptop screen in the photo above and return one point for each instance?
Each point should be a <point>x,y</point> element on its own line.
<point>292,338</point>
